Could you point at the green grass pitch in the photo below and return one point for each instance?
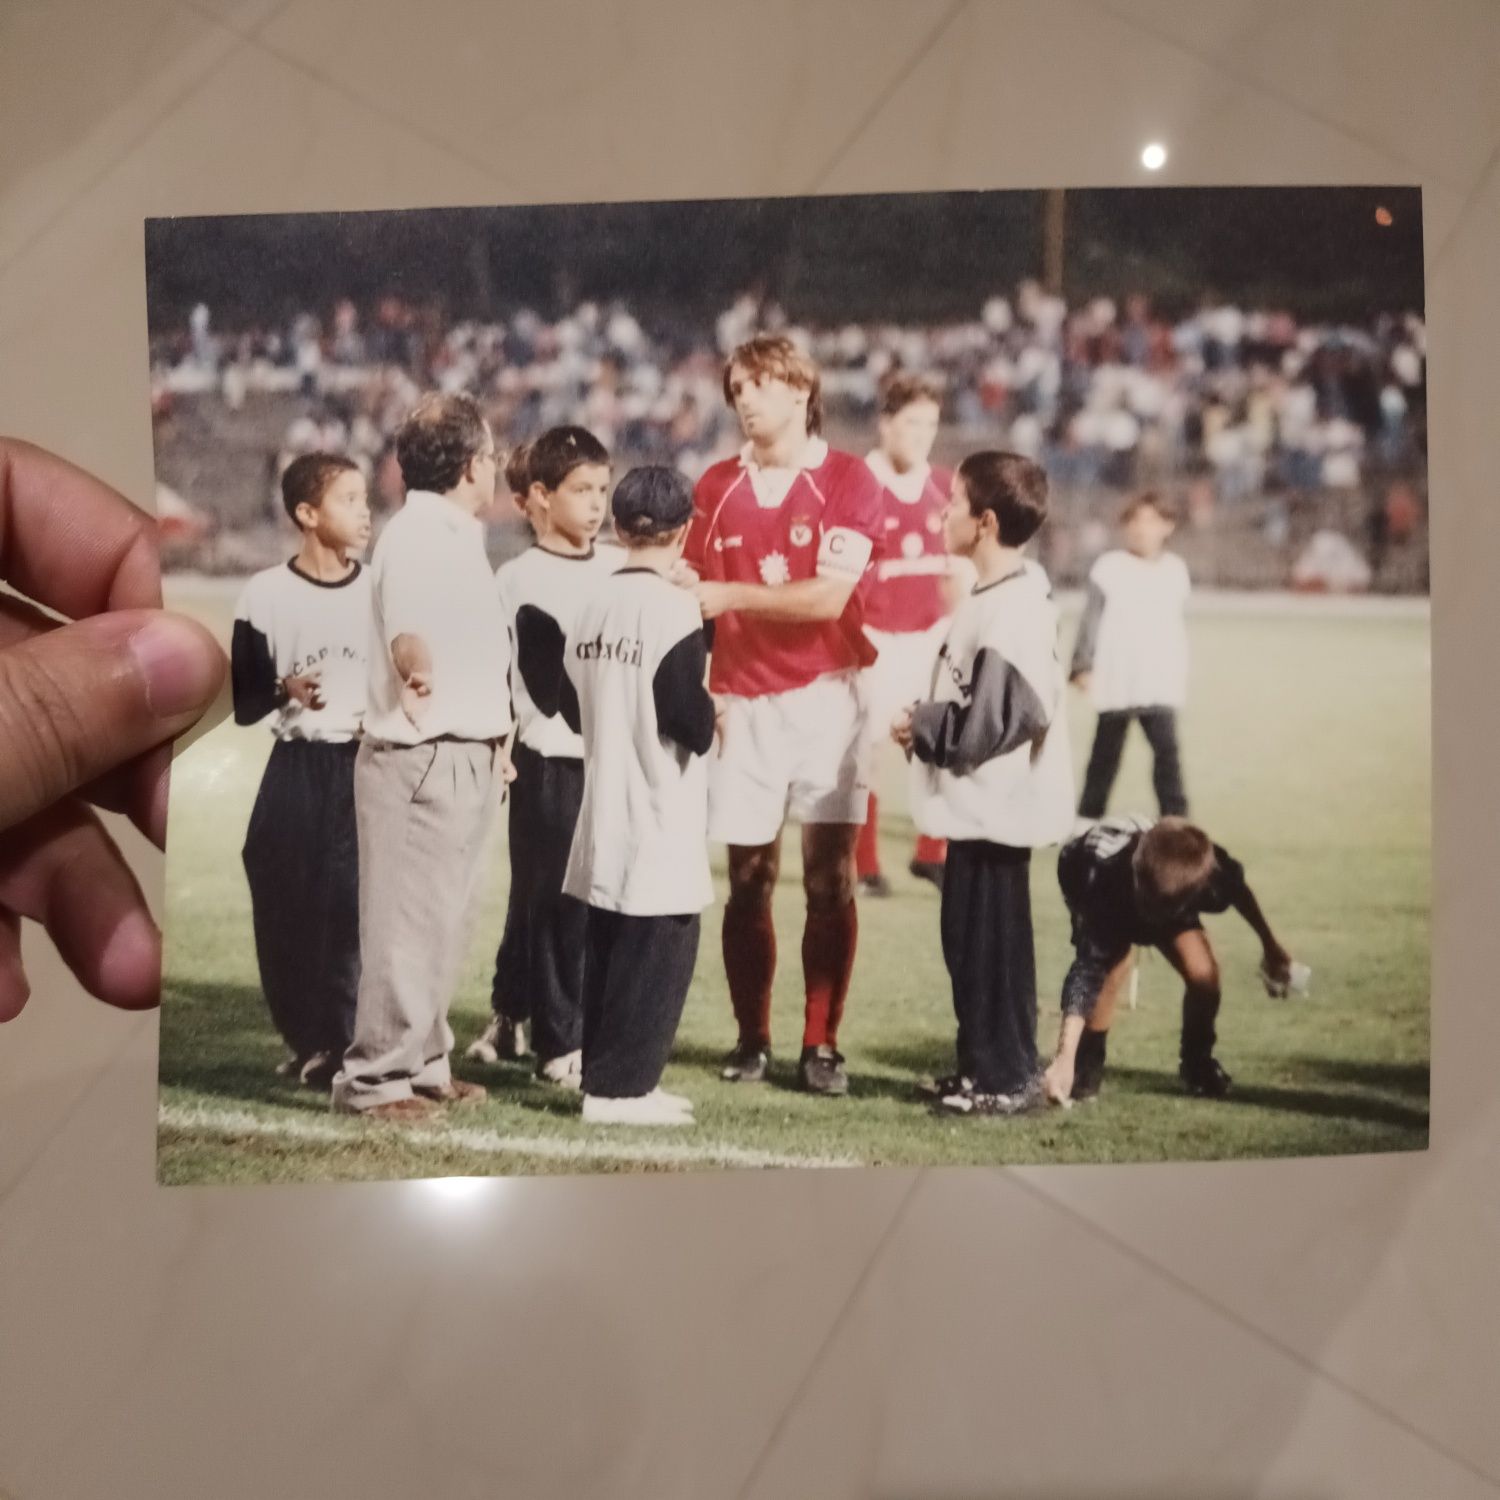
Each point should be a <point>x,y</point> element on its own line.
<point>1306,748</point>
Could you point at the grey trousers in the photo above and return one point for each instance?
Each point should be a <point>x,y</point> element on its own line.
<point>424,814</point>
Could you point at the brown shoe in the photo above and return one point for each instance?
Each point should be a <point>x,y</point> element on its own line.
<point>456,1091</point>
<point>402,1112</point>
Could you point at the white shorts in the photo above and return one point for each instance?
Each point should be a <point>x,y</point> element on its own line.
<point>803,753</point>
<point>902,674</point>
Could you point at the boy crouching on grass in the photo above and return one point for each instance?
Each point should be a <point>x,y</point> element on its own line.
<point>993,776</point>
<point>298,653</point>
<point>635,664</point>
<point>1132,882</point>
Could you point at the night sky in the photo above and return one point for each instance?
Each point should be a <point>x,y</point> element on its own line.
<point>1320,252</point>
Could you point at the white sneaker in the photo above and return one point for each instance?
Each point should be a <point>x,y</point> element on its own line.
<point>486,1047</point>
<point>565,1072</point>
<point>647,1109</point>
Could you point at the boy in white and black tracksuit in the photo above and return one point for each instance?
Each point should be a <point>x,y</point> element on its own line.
<point>993,776</point>
<point>636,662</point>
<point>564,479</point>
<point>298,652</point>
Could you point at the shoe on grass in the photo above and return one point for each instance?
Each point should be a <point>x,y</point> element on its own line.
<point>874,885</point>
<point>565,1072</point>
<point>941,1088</point>
<point>456,1091</point>
<point>927,870</point>
<point>1205,1078</point>
<point>746,1064</point>
<point>821,1071</point>
<point>413,1111</point>
<point>319,1070</point>
<point>654,1108</point>
<point>485,1048</point>
<point>977,1105</point>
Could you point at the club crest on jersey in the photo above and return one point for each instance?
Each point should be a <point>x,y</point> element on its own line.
<point>802,534</point>
<point>774,568</point>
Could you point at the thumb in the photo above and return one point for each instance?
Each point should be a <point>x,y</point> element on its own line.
<point>77,701</point>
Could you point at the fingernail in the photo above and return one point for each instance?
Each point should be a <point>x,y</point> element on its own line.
<point>178,670</point>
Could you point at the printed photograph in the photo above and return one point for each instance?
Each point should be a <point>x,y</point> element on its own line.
<point>924,679</point>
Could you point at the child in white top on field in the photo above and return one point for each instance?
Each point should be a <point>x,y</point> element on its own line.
<point>301,634</point>
<point>993,775</point>
<point>562,482</point>
<point>636,662</point>
<point>1131,655</point>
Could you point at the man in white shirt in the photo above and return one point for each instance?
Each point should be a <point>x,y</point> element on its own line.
<point>431,767</point>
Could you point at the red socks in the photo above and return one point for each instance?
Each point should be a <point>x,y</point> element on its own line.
<point>867,850</point>
<point>829,941</point>
<point>750,965</point>
<point>828,944</point>
<point>931,851</point>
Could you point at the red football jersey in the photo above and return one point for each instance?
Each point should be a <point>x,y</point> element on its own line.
<point>828,524</point>
<point>907,591</point>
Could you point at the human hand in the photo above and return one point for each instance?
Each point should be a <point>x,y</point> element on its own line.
<point>306,689</point>
<point>1081,681</point>
<point>415,692</point>
<point>87,713</point>
<point>508,772</point>
<point>713,599</point>
<point>1057,1082</point>
<point>901,729</point>
<point>1282,975</point>
<point>683,574</point>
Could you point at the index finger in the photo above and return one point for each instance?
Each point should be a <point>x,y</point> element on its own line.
<point>69,540</point>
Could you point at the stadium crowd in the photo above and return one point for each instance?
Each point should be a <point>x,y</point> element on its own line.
<point>1102,392</point>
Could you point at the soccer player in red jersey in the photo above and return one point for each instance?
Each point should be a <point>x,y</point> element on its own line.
<point>913,589</point>
<point>782,539</point>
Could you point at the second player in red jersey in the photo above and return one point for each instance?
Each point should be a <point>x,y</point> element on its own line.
<point>783,538</point>
<point>913,591</point>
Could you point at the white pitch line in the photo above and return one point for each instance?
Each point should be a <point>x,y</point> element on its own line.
<point>232,1122</point>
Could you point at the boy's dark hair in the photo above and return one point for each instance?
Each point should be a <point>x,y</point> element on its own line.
<point>1012,488</point>
<point>651,502</point>
<point>903,388</point>
<point>776,355</point>
<point>549,459</point>
<point>1173,861</point>
<point>439,440</point>
<point>306,479</point>
<point>1149,500</point>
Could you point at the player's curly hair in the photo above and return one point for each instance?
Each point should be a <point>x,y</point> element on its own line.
<point>439,440</point>
<point>902,388</point>
<point>549,459</point>
<point>1013,488</point>
<point>1173,861</point>
<point>306,479</point>
<point>776,355</point>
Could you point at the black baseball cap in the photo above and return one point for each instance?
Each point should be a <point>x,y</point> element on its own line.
<point>652,501</point>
